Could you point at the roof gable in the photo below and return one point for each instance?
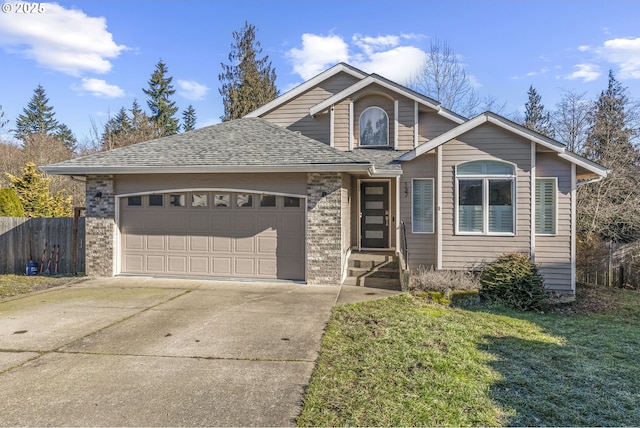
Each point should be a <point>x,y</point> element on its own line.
<point>375,79</point>
<point>489,117</point>
<point>314,81</point>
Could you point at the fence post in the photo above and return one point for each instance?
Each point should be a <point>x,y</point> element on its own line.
<point>74,244</point>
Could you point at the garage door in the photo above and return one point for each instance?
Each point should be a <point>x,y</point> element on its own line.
<point>214,234</point>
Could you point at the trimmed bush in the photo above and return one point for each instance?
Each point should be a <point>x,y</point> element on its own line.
<point>443,281</point>
<point>513,280</point>
<point>10,205</point>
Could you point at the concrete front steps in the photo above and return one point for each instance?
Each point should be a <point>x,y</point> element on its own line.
<point>375,270</point>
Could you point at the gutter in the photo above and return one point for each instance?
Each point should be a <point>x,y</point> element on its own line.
<point>83,171</point>
<point>594,180</point>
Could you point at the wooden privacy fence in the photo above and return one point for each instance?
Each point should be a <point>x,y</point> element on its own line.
<point>30,239</point>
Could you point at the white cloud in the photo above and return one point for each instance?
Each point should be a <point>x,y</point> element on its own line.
<point>625,53</point>
<point>100,88</point>
<point>380,55</point>
<point>586,72</point>
<point>317,54</point>
<point>65,40</point>
<point>192,90</point>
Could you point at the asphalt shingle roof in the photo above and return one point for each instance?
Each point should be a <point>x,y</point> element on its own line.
<point>248,142</point>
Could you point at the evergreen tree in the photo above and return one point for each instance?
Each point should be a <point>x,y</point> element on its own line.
<point>37,117</point>
<point>610,209</point>
<point>159,102</point>
<point>10,205</point>
<point>67,138</point>
<point>536,117</point>
<point>35,195</point>
<point>128,127</point>
<point>248,82</point>
<point>189,119</point>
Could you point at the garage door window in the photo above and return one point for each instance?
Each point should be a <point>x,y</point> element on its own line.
<point>134,201</point>
<point>244,200</point>
<point>199,200</point>
<point>291,202</point>
<point>156,200</point>
<point>177,200</point>
<point>221,201</point>
<point>267,201</point>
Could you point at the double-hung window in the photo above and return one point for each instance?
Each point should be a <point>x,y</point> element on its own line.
<point>485,198</point>
<point>546,206</point>
<point>422,205</point>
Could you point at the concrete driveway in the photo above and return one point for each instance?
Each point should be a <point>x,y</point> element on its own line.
<point>163,352</point>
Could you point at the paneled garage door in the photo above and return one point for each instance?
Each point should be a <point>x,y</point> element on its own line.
<point>240,235</point>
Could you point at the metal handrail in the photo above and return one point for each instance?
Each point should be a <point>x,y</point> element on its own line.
<point>403,244</point>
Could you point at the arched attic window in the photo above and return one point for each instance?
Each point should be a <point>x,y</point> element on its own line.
<point>374,128</point>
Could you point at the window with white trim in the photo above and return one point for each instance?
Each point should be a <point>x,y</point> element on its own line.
<point>422,205</point>
<point>546,206</point>
<point>374,128</point>
<point>486,198</point>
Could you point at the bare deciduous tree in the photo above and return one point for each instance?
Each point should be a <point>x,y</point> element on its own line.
<point>444,79</point>
<point>571,120</point>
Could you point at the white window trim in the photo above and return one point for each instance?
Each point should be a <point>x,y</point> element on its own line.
<point>360,145</point>
<point>432,206</point>
<point>555,207</point>
<point>485,199</point>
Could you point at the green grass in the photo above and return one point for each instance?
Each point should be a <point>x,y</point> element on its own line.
<point>15,285</point>
<point>406,362</point>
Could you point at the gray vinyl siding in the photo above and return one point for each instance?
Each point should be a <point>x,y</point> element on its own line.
<point>486,142</point>
<point>294,115</point>
<point>422,247</point>
<point>431,125</point>
<point>341,125</point>
<point>291,183</point>
<point>406,122</point>
<point>553,253</point>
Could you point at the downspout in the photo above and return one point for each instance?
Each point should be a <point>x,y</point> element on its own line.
<point>594,180</point>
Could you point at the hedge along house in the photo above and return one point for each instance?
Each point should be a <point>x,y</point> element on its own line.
<point>345,162</point>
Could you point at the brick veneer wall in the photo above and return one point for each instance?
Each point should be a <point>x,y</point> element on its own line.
<point>324,231</point>
<point>100,226</point>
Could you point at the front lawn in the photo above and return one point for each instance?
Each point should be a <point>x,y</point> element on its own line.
<point>15,285</point>
<point>408,362</point>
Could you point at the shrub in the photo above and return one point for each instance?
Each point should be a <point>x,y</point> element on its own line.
<point>442,281</point>
<point>10,205</point>
<point>513,280</point>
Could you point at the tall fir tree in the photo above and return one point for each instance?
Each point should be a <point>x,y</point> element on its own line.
<point>162,107</point>
<point>248,81</point>
<point>536,117</point>
<point>37,118</point>
<point>67,138</point>
<point>128,127</point>
<point>189,119</point>
<point>610,209</point>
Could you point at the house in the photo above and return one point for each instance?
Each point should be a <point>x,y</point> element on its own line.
<point>345,162</point>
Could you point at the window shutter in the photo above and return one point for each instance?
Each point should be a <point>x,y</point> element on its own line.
<point>422,215</point>
<point>545,200</point>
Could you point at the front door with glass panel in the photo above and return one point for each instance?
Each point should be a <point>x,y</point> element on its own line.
<point>374,217</point>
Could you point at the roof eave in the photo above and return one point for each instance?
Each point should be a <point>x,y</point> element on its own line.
<point>115,170</point>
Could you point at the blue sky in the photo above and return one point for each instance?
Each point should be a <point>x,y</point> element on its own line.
<point>94,57</point>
